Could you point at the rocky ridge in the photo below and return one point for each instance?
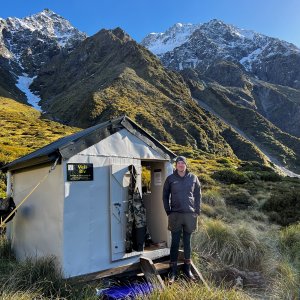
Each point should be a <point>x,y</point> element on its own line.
<point>261,72</point>
<point>260,55</point>
<point>32,41</point>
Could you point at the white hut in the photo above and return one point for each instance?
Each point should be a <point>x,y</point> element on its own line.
<point>78,213</point>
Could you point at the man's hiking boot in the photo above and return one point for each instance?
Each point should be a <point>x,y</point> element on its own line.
<point>173,272</point>
<point>187,270</point>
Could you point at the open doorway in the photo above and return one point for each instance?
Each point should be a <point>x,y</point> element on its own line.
<point>153,177</point>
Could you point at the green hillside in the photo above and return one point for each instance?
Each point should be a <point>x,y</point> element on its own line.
<point>23,130</point>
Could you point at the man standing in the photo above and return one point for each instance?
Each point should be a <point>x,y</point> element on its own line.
<point>181,197</point>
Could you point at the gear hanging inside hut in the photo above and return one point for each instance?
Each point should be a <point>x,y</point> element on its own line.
<point>136,228</point>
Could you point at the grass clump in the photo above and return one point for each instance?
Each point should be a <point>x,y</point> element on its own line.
<point>237,245</point>
<point>285,284</point>
<point>188,291</point>
<point>213,197</point>
<point>36,278</point>
<point>289,243</point>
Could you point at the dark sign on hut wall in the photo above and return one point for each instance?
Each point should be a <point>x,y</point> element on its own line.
<point>80,172</point>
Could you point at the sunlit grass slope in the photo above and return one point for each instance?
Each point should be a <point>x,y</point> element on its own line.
<point>23,130</point>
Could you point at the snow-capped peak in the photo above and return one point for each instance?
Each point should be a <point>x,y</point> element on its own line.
<point>178,34</point>
<point>29,43</point>
<point>46,23</point>
<point>186,45</point>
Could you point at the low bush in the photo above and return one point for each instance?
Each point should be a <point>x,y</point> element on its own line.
<point>254,166</point>
<point>230,176</point>
<point>206,180</point>
<point>269,176</point>
<point>241,199</point>
<point>224,161</point>
<point>285,204</point>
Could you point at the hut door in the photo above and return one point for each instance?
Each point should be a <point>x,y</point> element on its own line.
<point>119,182</point>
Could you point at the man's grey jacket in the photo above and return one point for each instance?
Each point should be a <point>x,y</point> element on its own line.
<point>182,194</point>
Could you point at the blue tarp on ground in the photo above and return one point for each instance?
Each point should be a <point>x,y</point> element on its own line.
<point>126,292</point>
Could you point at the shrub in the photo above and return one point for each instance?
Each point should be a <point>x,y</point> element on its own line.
<point>224,161</point>
<point>286,204</point>
<point>206,180</point>
<point>241,199</point>
<point>254,166</point>
<point>230,176</point>
<point>274,217</point>
<point>269,176</point>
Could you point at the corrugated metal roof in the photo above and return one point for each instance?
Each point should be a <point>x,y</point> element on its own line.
<point>68,146</point>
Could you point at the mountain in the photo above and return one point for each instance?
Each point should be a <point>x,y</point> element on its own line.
<point>235,74</point>
<point>27,44</point>
<point>264,72</point>
<point>160,43</point>
<point>260,55</point>
<point>110,74</point>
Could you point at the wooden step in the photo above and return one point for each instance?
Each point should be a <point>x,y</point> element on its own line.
<point>164,266</point>
<point>151,273</point>
<point>153,270</point>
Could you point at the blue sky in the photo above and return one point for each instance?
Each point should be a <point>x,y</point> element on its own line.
<point>276,18</point>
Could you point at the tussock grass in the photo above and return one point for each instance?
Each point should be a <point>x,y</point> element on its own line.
<point>213,197</point>
<point>21,295</point>
<point>35,276</point>
<point>289,243</point>
<point>236,245</point>
<point>285,284</point>
<point>5,248</point>
<point>36,279</point>
<point>193,291</point>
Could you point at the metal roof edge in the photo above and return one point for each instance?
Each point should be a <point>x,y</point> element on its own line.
<point>70,145</point>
